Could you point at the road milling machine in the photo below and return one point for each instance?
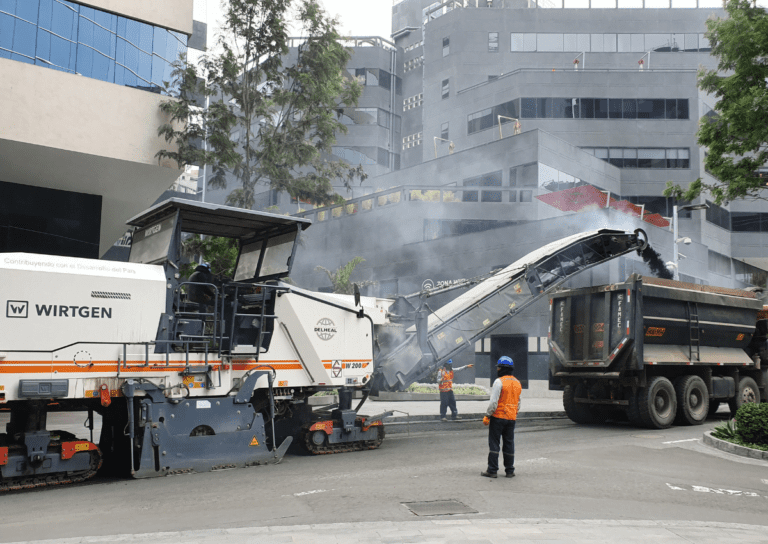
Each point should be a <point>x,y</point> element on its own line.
<point>184,386</point>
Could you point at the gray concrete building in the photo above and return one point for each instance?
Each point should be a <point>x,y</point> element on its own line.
<point>520,124</point>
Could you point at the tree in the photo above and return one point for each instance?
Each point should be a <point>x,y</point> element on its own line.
<point>220,253</point>
<point>340,278</point>
<point>736,134</point>
<point>283,116</point>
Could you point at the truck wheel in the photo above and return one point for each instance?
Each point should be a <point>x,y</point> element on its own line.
<point>576,412</point>
<point>657,403</point>
<point>692,400</point>
<point>714,405</point>
<point>746,392</point>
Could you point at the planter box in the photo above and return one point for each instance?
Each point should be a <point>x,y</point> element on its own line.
<point>730,447</point>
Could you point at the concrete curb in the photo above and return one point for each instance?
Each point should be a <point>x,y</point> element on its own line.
<point>440,529</point>
<point>735,449</point>
<point>471,417</point>
<point>405,397</point>
<point>393,397</point>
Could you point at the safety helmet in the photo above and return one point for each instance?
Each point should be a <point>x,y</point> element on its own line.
<point>207,265</point>
<point>505,361</point>
<point>449,362</point>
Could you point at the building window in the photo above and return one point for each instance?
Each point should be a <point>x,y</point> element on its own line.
<point>493,42</point>
<point>411,141</point>
<point>81,40</point>
<point>639,157</point>
<point>492,179</point>
<point>718,215</point>
<point>376,77</point>
<point>414,101</point>
<point>413,63</point>
<point>446,90</point>
<point>719,264</point>
<point>444,131</point>
<point>579,108</point>
<point>609,43</point>
<point>446,46</point>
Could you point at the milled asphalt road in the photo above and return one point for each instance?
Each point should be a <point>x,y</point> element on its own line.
<point>574,484</point>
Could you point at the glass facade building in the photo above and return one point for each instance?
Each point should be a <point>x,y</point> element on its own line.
<point>81,40</point>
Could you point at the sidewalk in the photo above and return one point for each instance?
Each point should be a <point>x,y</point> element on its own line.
<point>442,530</point>
<point>467,408</point>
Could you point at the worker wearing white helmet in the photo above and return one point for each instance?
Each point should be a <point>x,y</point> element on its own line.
<point>500,418</point>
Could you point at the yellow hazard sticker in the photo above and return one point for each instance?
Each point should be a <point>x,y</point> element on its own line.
<point>82,447</point>
<point>254,442</point>
<point>460,339</point>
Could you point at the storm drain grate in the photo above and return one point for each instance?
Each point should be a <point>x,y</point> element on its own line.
<point>438,508</point>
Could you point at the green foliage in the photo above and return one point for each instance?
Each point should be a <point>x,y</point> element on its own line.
<point>283,114</point>
<point>341,277</point>
<point>220,253</point>
<point>752,423</point>
<point>726,431</point>
<point>458,389</point>
<point>736,133</point>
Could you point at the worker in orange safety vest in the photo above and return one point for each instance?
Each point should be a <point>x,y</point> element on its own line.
<point>500,418</point>
<point>445,381</point>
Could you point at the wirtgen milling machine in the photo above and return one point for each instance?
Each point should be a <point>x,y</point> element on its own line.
<point>180,386</point>
<point>185,386</point>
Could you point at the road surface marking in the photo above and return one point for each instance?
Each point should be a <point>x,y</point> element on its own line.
<point>310,492</point>
<point>715,490</point>
<point>678,441</point>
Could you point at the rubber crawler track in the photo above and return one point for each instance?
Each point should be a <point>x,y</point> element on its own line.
<point>58,478</point>
<point>326,448</point>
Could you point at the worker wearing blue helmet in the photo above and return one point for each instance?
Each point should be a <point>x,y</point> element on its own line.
<point>500,418</point>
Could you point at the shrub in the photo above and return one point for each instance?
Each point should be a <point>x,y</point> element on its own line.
<point>752,423</point>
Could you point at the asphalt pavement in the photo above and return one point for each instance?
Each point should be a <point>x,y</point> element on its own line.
<point>478,526</point>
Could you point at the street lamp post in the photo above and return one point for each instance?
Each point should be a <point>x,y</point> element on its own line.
<point>676,240</point>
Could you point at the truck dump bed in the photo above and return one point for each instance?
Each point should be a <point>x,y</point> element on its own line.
<point>615,329</point>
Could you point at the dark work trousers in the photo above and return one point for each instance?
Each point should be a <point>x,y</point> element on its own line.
<point>501,430</point>
<point>447,400</point>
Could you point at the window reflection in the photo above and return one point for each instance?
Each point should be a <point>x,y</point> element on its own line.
<point>634,157</point>
<point>376,77</point>
<point>578,108</point>
<point>77,39</point>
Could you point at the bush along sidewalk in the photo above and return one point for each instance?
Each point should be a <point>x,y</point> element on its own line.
<point>458,389</point>
<point>749,428</point>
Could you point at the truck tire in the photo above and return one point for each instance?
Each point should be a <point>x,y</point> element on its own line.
<point>657,403</point>
<point>746,392</point>
<point>576,412</point>
<point>692,400</point>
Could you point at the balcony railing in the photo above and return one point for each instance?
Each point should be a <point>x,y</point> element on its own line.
<point>417,193</point>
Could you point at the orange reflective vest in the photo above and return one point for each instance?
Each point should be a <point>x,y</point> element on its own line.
<point>446,380</point>
<point>509,398</point>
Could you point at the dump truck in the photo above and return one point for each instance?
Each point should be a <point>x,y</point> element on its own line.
<point>188,385</point>
<point>662,352</point>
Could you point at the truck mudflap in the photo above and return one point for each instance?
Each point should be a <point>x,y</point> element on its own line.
<point>476,313</point>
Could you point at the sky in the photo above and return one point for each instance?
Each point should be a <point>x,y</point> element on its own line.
<point>356,17</point>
